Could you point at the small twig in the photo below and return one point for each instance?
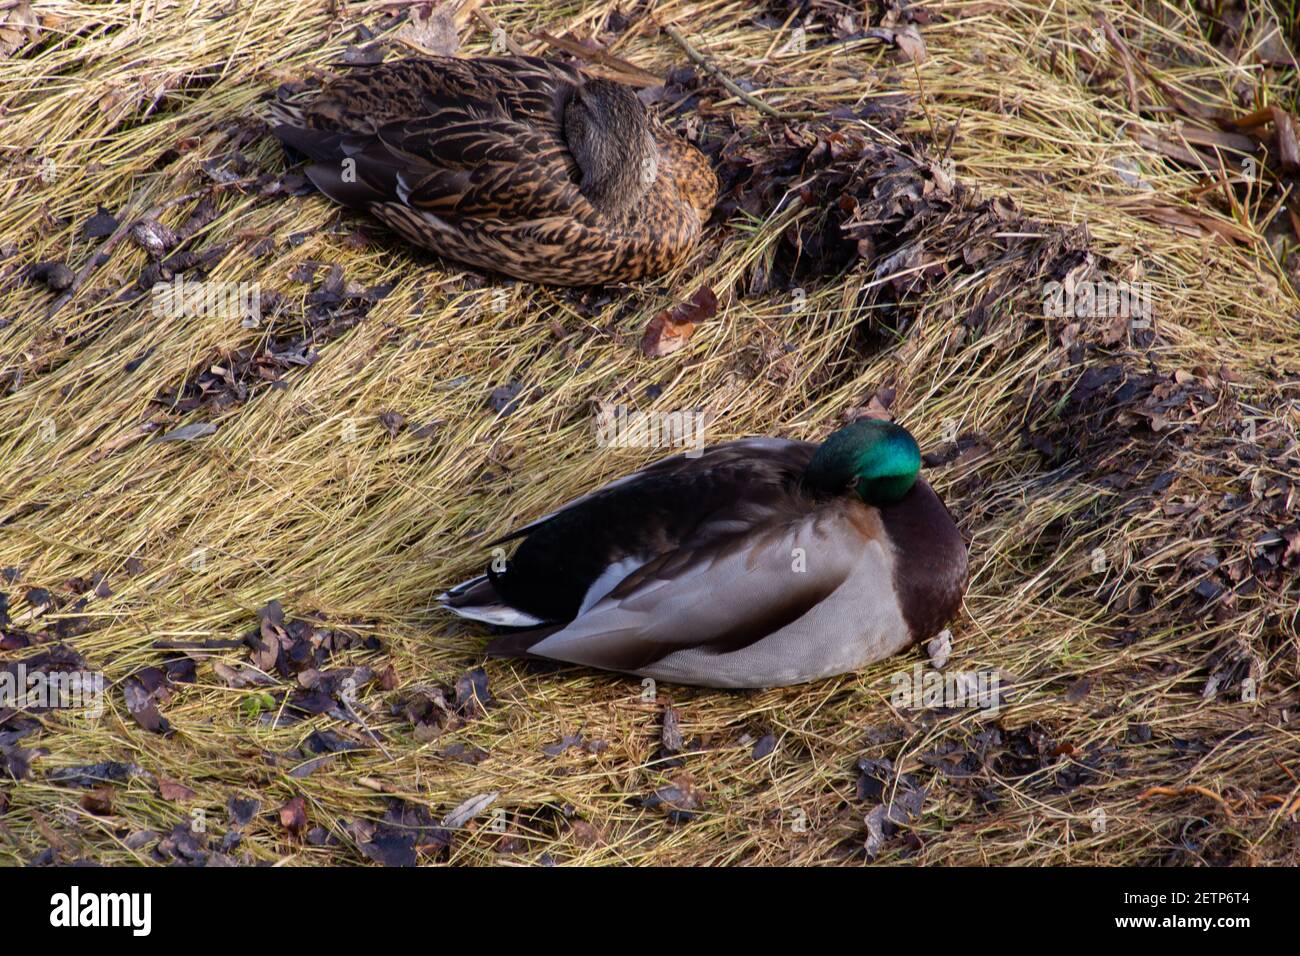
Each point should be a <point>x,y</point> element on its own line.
<point>493,27</point>
<point>362,721</point>
<point>794,12</point>
<point>628,71</point>
<point>952,134</point>
<point>464,11</point>
<point>125,226</point>
<point>920,85</point>
<point>699,59</point>
<point>1288,806</point>
<point>1184,791</point>
<point>1126,60</point>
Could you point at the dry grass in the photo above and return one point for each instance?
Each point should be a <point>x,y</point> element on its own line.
<point>303,496</point>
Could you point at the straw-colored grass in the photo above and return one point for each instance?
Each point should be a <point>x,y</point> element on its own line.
<point>302,495</point>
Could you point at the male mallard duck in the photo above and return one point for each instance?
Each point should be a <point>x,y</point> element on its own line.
<point>511,164</point>
<point>759,563</point>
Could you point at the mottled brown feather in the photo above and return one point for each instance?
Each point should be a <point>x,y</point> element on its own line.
<point>468,158</point>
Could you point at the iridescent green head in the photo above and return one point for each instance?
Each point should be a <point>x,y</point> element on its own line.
<point>879,460</point>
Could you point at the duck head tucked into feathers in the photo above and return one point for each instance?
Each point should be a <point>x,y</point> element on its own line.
<point>608,132</point>
<point>878,459</point>
<point>517,165</point>
<point>758,563</point>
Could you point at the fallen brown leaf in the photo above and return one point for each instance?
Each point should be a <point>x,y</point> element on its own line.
<point>98,801</point>
<point>671,330</point>
<point>433,34</point>
<point>293,815</point>
<point>175,792</point>
<point>18,26</point>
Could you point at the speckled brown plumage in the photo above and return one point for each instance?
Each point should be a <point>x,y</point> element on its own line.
<point>469,158</point>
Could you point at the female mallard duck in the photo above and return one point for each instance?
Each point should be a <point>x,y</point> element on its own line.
<point>759,563</point>
<point>511,164</point>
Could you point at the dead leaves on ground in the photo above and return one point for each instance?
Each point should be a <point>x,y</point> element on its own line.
<point>429,33</point>
<point>144,690</point>
<point>227,380</point>
<point>434,710</point>
<point>293,815</point>
<point>291,646</point>
<point>175,792</point>
<point>1237,156</point>
<point>1139,433</point>
<point>19,26</point>
<point>671,329</point>
<point>679,800</point>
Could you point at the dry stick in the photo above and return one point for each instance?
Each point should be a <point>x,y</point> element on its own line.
<point>493,27</point>
<point>794,12</point>
<point>1184,791</point>
<point>1126,60</point>
<point>699,59</point>
<point>463,13</point>
<point>1290,804</point>
<point>1286,807</point>
<point>362,721</point>
<point>629,71</point>
<point>1286,770</point>
<point>101,254</point>
<point>952,134</point>
<point>920,85</point>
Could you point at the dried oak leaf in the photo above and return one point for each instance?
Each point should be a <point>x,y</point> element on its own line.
<point>183,845</point>
<point>18,26</point>
<point>391,847</point>
<point>428,711</point>
<point>55,275</point>
<point>101,225</point>
<point>679,799</point>
<point>670,735</point>
<point>563,744</point>
<point>241,675</point>
<point>670,330</point>
<point>393,422</point>
<point>90,775</point>
<point>175,792</point>
<point>143,691</point>
<point>98,802</point>
<point>472,694</point>
<point>15,762</point>
<point>242,811</point>
<point>433,34</point>
<point>293,815</point>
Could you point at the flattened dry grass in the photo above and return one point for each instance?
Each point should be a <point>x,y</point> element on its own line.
<point>303,496</point>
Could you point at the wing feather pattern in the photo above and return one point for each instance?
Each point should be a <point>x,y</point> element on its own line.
<point>468,157</point>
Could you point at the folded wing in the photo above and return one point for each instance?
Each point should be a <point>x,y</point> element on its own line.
<point>725,607</point>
